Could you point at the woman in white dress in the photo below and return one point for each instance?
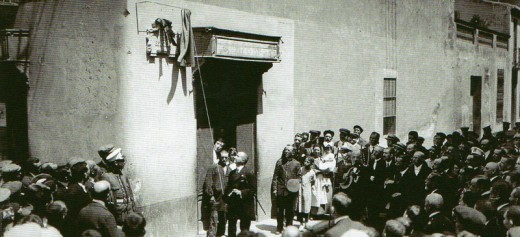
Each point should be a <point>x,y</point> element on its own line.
<point>308,178</point>
<point>325,165</point>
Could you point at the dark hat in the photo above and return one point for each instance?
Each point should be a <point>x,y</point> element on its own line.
<point>464,129</point>
<point>400,146</point>
<point>441,135</point>
<point>344,131</point>
<point>413,133</point>
<point>469,216</point>
<point>358,127</point>
<point>75,160</point>
<point>104,150</point>
<point>487,128</point>
<point>353,135</point>
<point>517,124</point>
<point>328,132</point>
<point>297,135</point>
<point>315,132</point>
<point>506,123</point>
<point>392,137</point>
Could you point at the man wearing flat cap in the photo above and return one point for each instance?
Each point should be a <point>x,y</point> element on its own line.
<point>103,152</point>
<point>343,133</point>
<point>391,140</point>
<point>76,196</point>
<point>358,130</point>
<point>469,219</point>
<point>122,198</point>
<point>96,214</point>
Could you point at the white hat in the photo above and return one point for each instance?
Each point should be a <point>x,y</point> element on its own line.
<point>115,155</point>
<point>101,186</point>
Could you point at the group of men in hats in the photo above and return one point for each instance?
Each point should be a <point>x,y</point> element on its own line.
<point>463,184</point>
<point>76,198</point>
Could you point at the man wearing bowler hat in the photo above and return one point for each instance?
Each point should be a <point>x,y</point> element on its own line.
<point>122,199</point>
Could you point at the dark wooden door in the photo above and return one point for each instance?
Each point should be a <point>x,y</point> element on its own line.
<point>476,93</point>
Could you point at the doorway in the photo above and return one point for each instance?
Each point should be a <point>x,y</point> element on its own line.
<point>226,106</point>
<point>14,141</point>
<point>476,94</point>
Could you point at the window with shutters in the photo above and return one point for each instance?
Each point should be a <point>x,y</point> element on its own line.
<point>389,106</point>
<point>500,95</point>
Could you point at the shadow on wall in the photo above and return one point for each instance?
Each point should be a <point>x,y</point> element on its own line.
<point>177,71</point>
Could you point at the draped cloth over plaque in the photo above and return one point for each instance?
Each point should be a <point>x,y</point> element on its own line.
<point>187,45</point>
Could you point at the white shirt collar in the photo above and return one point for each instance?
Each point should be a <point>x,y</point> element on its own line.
<point>417,168</point>
<point>239,168</point>
<point>433,214</point>
<point>502,206</point>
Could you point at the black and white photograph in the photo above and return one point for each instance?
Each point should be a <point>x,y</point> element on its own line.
<point>259,118</point>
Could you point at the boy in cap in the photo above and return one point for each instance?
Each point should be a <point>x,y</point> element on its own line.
<point>122,198</point>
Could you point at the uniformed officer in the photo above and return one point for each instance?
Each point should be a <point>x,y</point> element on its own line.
<point>122,198</point>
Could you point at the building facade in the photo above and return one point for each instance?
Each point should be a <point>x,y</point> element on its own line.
<point>388,65</point>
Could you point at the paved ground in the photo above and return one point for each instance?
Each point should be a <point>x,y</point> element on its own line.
<point>267,227</point>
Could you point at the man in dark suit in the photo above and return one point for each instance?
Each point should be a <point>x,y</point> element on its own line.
<point>95,215</point>
<point>341,223</point>
<point>437,221</point>
<point>286,168</point>
<point>368,149</point>
<point>76,195</point>
<point>240,196</point>
<point>416,175</point>
<point>213,193</point>
<point>377,178</point>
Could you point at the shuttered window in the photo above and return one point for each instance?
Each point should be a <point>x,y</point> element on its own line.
<point>500,95</point>
<point>389,106</point>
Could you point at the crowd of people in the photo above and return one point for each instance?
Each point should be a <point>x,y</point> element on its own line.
<point>76,198</point>
<point>463,185</point>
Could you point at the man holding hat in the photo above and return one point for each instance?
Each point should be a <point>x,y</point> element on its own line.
<point>122,198</point>
<point>286,168</point>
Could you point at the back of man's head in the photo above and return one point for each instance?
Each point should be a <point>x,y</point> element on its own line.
<point>433,202</point>
<point>394,228</point>
<point>341,203</point>
<point>101,190</point>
